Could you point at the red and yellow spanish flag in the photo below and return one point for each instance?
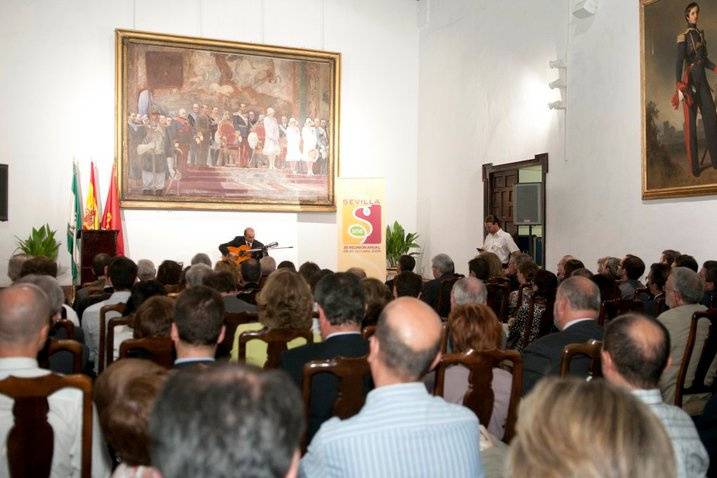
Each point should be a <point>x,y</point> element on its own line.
<point>91,218</point>
<point>112,218</point>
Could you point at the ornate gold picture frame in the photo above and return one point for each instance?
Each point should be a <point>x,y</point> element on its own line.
<point>668,169</point>
<point>214,124</point>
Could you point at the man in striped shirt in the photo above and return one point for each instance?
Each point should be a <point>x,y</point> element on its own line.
<point>636,350</point>
<point>401,430</point>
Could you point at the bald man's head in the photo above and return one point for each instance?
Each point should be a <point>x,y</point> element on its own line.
<point>639,348</point>
<point>409,335</point>
<point>24,311</point>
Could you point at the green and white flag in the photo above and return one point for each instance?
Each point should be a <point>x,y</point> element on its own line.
<point>74,226</point>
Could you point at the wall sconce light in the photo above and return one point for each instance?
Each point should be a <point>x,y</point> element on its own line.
<point>558,64</point>
<point>585,8</point>
<point>556,105</point>
<point>557,84</point>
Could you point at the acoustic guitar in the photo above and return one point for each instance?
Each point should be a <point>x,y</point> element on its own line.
<point>237,255</point>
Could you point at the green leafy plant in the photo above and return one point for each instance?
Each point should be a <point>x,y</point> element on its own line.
<point>398,243</point>
<point>41,242</point>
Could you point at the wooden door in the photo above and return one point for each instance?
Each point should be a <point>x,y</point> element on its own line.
<point>501,197</point>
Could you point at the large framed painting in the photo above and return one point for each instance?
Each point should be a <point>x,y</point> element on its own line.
<point>679,123</point>
<point>212,124</point>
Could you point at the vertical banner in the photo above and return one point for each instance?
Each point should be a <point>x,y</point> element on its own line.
<point>362,242</point>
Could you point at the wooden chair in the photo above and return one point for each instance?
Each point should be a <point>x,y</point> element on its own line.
<point>480,397</point>
<point>159,350</point>
<point>609,309</point>
<point>709,349</point>
<point>351,372</point>
<point>231,322</point>
<point>498,294</point>
<point>368,331</point>
<point>30,441</point>
<point>113,323</point>
<point>591,349</point>
<point>71,346</point>
<point>119,308</point>
<point>67,326</point>
<point>276,340</point>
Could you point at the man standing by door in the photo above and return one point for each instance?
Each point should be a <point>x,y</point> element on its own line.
<point>497,240</point>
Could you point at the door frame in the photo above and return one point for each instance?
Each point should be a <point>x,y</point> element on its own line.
<point>488,169</point>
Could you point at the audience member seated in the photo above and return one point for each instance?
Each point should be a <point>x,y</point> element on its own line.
<point>39,266</point>
<point>251,275</point>
<point>24,311</point>
<point>443,268</point>
<point>656,280</point>
<point>201,258</point>
<point>406,263</point>
<point>571,266</point>
<point>668,256</point>
<point>285,302</point>
<point>635,352</point>
<point>223,282</point>
<point>685,260</point>
<point>169,272</point>
<point>268,265</point>
<point>631,269</point>
<point>475,327</point>
<point>124,395</point>
<point>401,430</point>
<point>377,296</point>
<point>227,420</point>
<point>357,271</point>
<point>307,270</point>
<point>195,274</point>
<point>683,292</point>
<point>14,266</point>
<point>609,267</point>
<point>152,319</point>
<point>524,328</point>
<point>60,362</point>
<point>468,290</point>
<point>146,270</point>
<point>198,326</point>
<point>561,267</point>
<point>582,272</point>
<point>407,284</point>
<point>609,290</point>
<point>511,272</point>
<point>315,278</point>
<point>142,291</point>
<point>494,266</point>
<point>122,273</point>
<point>341,300</point>
<point>577,305</point>
<point>708,273</point>
<point>479,267</point>
<point>526,274</point>
<point>228,266</point>
<point>569,427</point>
<point>287,265</point>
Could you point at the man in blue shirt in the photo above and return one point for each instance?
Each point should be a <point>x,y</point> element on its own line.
<point>401,430</point>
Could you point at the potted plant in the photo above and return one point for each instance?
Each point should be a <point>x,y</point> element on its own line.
<point>41,242</point>
<point>398,243</point>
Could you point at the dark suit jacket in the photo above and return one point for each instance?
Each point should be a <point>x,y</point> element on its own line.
<point>324,386</point>
<point>542,357</point>
<point>430,292</point>
<point>240,241</point>
<point>204,362</point>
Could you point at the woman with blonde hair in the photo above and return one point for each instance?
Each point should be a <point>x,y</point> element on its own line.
<point>496,267</point>
<point>569,428</point>
<point>474,327</point>
<point>284,302</point>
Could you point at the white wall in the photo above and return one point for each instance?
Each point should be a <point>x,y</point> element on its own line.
<point>483,94</point>
<point>57,80</point>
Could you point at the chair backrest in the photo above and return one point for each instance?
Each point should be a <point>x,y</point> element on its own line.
<point>480,396</point>
<point>159,350</point>
<point>30,441</point>
<point>67,326</point>
<point>231,322</point>
<point>119,308</point>
<point>498,294</point>
<point>368,331</point>
<point>70,346</point>
<point>709,349</point>
<point>113,323</point>
<point>591,349</point>
<point>609,309</point>
<point>276,342</point>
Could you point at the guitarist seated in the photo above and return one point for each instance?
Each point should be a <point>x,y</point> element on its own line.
<point>243,243</point>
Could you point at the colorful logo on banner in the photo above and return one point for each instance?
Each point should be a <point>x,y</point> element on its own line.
<point>362,222</point>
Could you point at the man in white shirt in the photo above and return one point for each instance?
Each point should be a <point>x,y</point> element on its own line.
<point>497,240</point>
<point>122,274</point>
<point>24,313</point>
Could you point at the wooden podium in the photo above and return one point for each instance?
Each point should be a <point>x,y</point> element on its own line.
<point>93,242</point>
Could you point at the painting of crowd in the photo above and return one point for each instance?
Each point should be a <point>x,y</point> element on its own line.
<point>166,146</point>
